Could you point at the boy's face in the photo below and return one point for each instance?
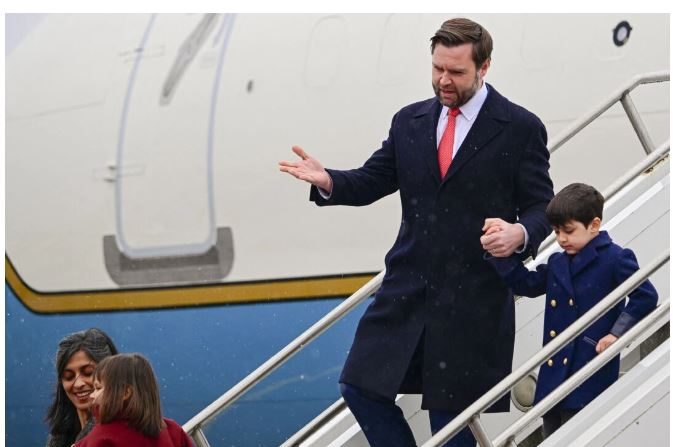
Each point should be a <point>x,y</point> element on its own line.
<point>573,235</point>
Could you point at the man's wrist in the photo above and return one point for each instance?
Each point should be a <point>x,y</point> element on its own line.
<point>328,186</point>
<point>522,248</point>
<point>325,191</point>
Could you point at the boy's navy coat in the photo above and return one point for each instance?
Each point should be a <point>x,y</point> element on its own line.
<point>573,285</point>
<point>442,322</point>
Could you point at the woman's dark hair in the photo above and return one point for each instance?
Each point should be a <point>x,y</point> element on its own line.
<point>130,374</point>
<point>62,416</point>
<point>577,201</point>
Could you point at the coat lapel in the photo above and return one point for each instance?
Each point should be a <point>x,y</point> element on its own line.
<point>589,253</point>
<point>565,267</point>
<point>489,122</point>
<point>424,123</point>
<point>560,269</point>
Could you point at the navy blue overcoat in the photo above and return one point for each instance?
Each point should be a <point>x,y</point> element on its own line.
<point>573,285</point>
<point>442,323</point>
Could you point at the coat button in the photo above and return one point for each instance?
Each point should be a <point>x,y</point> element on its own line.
<point>553,333</point>
<point>571,302</point>
<point>564,361</point>
<point>550,362</point>
<point>553,303</point>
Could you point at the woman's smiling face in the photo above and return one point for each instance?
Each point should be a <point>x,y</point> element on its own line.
<point>77,380</point>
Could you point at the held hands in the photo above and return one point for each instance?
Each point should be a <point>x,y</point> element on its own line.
<point>501,238</point>
<point>307,169</point>
<point>605,343</point>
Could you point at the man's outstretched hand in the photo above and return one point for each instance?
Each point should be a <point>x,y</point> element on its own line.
<point>307,169</point>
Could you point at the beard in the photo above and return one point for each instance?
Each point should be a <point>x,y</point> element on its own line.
<point>461,97</point>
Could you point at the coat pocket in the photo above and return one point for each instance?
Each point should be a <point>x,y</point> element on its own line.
<point>589,340</point>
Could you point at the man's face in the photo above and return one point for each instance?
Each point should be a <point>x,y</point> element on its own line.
<point>455,77</point>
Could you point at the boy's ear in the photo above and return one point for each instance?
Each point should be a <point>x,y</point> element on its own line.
<point>595,225</point>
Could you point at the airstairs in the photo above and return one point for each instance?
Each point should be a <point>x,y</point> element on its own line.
<point>632,412</point>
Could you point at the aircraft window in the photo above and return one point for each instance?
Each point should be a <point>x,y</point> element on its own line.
<point>620,35</point>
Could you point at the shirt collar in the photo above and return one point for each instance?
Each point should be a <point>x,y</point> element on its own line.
<point>472,107</point>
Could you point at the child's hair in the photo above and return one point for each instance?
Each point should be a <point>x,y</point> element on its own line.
<point>142,410</point>
<point>577,201</point>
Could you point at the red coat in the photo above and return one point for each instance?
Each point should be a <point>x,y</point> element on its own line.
<point>119,434</point>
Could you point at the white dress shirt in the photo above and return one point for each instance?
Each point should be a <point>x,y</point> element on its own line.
<point>464,121</point>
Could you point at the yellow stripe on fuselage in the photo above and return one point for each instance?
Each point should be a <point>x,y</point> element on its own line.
<point>181,296</point>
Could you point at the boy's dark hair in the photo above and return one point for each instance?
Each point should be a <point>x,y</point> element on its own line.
<point>142,410</point>
<point>61,416</point>
<point>459,31</point>
<point>577,201</point>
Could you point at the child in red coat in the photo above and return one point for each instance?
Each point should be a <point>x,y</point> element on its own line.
<point>126,405</point>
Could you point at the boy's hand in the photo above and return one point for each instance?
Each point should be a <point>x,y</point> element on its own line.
<point>604,343</point>
<point>501,238</point>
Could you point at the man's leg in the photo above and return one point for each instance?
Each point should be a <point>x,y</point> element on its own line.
<point>440,419</point>
<point>382,421</point>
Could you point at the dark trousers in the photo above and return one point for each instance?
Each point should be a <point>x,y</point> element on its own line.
<point>554,419</point>
<point>384,425</point>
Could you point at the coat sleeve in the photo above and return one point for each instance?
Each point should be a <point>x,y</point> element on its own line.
<point>521,280</point>
<point>377,178</point>
<point>534,188</point>
<point>641,301</point>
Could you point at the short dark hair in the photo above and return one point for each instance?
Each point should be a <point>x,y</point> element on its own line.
<point>143,410</point>
<point>459,31</point>
<point>577,201</point>
<point>61,416</point>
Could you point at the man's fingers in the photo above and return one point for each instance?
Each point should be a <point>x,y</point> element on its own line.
<point>300,152</point>
<point>492,229</point>
<point>297,174</point>
<point>491,241</point>
<point>290,164</point>
<point>491,221</point>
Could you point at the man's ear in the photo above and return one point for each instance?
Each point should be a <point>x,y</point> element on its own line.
<point>595,225</point>
<point>484,68</point>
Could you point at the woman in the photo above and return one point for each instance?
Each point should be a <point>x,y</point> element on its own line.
<point>77,356</point>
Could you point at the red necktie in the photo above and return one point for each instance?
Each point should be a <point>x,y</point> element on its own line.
<point>445,147</point>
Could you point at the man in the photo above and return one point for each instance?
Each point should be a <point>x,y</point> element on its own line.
<point>442,322</point>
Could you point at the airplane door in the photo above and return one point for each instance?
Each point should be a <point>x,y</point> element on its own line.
<point>164,196</point>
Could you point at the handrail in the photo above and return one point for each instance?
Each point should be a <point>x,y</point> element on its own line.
<point>194,425</point>
<point>620,95</point>
<point>472,412</point>
<point>609,193</point>
<point>315,424</point>
<point>226,399</point>
<point>623,92</point>
<point>584,373</point>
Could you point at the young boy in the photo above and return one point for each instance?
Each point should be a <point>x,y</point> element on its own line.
<point>574,281</point>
